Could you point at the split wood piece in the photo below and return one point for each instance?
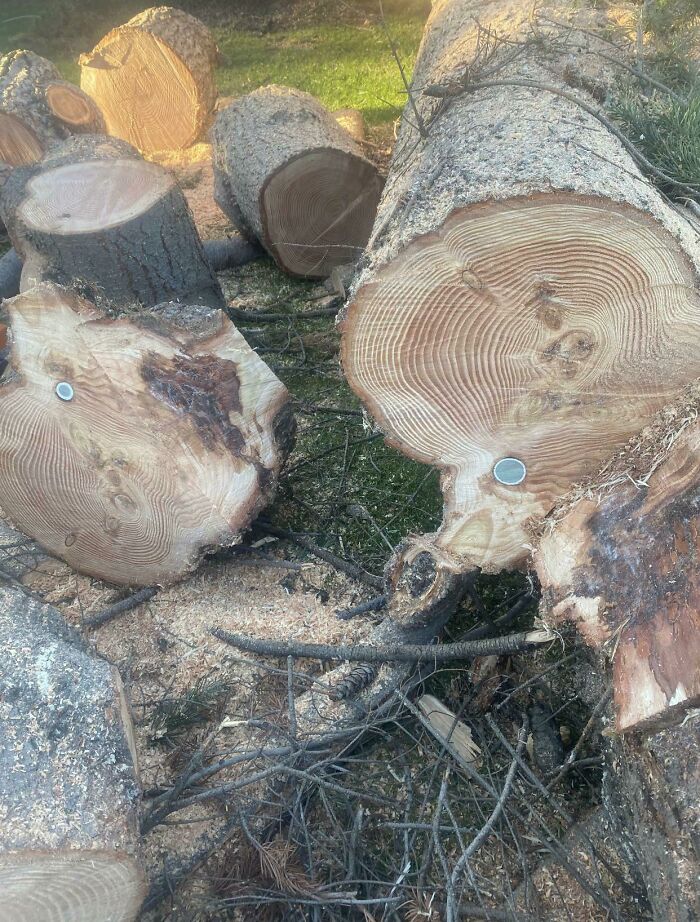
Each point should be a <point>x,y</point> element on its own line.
<point>164,441</point>
<point>526,293</point>
<point>94,214</point>
<point>288,174</point>
<point>69,792</point>
<point>619,560</point>
<point>153,79</point>
<point>38,108</point>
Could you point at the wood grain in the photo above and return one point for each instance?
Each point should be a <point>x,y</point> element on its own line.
<point>547,329</point>
<point>168,448</point>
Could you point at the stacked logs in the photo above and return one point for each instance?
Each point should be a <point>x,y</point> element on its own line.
<point>38,108</point>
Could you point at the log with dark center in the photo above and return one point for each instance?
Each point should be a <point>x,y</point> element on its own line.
<point>618,559</point>
<point>95,215</point>
<point>289,175</point>
<point>528,301</point>
<point>69,793</point>
<point>149,439</point>
<point>38,108</point>
<point>153,79</point>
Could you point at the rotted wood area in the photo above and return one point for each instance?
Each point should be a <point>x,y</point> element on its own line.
<point>69,791</point>
<point>94,215</point>
<point>504,306</point>
<point>151,438</point>
<point>618,559</point>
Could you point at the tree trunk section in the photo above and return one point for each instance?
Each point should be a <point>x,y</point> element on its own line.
<point>288,174</point>
<point>618,558</point>
<point>94,215</point>
<point>38,108</point>
<point>69,794</point>
<point>153,79</point>
<point>527,301</point>
<point>151,438</point>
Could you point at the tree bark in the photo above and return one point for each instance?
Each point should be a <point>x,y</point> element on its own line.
<point>526,294</point>
<point>151,438</point>
<point>38,108</point>
<point>288,174</point>
<point>69,792</point>
<point>94,215</point>
<point>618,559</point>
<point>153,78</point>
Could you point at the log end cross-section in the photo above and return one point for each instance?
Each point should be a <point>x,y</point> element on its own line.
<point>545,330</point>
<point>129,447</point>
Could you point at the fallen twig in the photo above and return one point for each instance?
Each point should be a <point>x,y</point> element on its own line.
<point>397,653</point>
<point>120,608</point>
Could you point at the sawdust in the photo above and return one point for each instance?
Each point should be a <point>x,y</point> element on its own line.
<point>195,175</point>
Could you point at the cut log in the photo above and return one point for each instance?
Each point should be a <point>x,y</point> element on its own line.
<point>528,300</point>
<point>69,794</point>
<point>150,438</point>
<point>618,558</point>
<point>153,78</point>
<point>38,108</point>
<point>289,175</point>
<point>95,215</point>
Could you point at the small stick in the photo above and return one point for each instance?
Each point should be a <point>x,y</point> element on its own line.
<point>120,608</point>
<point>345,566</point>
<point>585,733</point>
<point>397,653</point>
<point>376,604</point>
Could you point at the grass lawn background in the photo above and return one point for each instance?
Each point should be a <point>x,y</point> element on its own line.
<point>336,50</point>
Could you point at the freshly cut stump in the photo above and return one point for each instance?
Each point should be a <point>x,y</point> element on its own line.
<point>289,175</point>
<point>153,79</point>
<point>95,215</point>
<point>129,447</point>
<point>527,302</point>
<point>618,559</point>
<point>69,792</point>
<point>38,108</point>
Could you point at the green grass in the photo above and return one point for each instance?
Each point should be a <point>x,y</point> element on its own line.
<point>343,485</point>
<point>342,63</point>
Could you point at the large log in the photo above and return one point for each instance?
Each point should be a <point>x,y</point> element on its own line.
<point>95,215</point>
<point>618,558</point>
<point>153,79</point>
<point>131,446</point>
<point>288,174</point>
<point>69,793</point>
<point>38,108</point>
<point>528,300</point>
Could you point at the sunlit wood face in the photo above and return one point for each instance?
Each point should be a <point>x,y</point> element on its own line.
<point>84,198</point>
<point>546,330</point>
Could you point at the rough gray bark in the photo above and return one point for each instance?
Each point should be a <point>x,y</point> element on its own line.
<point>10,273</point>
<point>153,254</point>
<point>33,92</point>
<point>287,173</point>
<point>154,79</point>
<point>653,789</point>
<point>503,307</point>
<point>69,794</point>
